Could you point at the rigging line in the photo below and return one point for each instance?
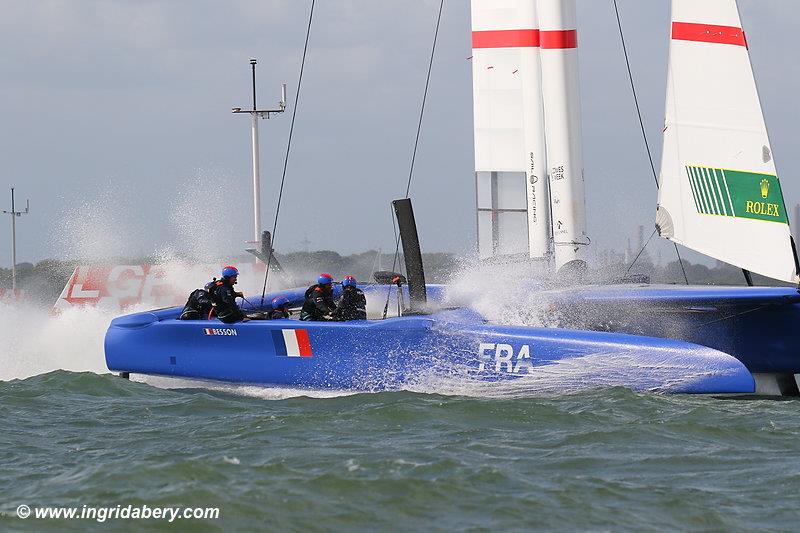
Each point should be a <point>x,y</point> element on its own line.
<point>640,253</point>
<point>419,130</point>
<point>635,97</point>
<point>641,124</point>
<point>288,148</point>
<point>680,262</point>
<point>424,97</point>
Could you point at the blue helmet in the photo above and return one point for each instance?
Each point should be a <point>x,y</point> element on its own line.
<point>349,281</point>
<point>325,279</point>
<point>230,271</point>
<point>279,302</point>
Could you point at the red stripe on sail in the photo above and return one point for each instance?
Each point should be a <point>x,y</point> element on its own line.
<point>303,342</point>
<point>505,39</point>
<point>559,39</point>
<point>708,33</point>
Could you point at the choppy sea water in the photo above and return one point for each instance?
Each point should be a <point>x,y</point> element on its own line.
<point>600,460</point>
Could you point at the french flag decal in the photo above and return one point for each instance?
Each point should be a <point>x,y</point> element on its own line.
<point>292,342</point>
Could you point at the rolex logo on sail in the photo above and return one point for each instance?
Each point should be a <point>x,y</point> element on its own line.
<point>737,194</point>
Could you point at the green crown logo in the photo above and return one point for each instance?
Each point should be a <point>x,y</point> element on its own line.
<point>764,188</point>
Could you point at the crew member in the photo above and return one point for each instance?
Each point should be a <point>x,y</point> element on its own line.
<point>353,304</point>
<point>280,308</point>
<point>319,302</point>
<point>199,303</point>
<point>224,297</point>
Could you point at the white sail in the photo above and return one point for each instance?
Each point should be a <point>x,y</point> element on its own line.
<point>719,192</point>
<point>559,51</point>
<point>510,166</point>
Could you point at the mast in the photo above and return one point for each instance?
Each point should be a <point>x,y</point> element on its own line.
<point>513,211</point>
<point>256,169</point>
<point>560,88</point>
<point>255,113</point>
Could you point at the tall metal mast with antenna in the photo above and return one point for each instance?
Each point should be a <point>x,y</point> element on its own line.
<point>14,214</point>
<point>256,113</point>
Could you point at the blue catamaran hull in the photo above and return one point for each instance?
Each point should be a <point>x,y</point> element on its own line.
<point>458,347</point>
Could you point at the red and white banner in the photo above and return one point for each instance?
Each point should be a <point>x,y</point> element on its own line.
<point>122,287</point>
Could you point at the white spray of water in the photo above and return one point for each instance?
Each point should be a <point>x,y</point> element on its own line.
<point>263,392</point>
<point>35,342</point>
<point>210,207</point>
<point>504,293</point>
<point>208,214</point>
<point>97,229</point>
<point>90,229</point>
<point>94,227</point>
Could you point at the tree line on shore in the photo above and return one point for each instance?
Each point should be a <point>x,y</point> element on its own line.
<point>43,282</point>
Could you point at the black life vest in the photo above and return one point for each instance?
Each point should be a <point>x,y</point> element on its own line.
<point>198,305</point>
<point>224,298</point>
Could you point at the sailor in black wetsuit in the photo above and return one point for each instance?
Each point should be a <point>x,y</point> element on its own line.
<point>225,297</point>
<point>353,304</point>
<point>319,302</point>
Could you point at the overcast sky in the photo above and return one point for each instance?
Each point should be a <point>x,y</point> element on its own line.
<point>116,120</point>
